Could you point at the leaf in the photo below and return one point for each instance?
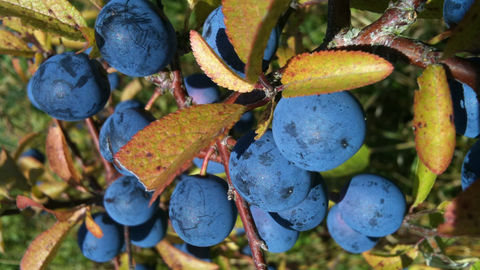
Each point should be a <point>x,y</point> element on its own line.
<point>433,9</point>
<point>265,119</point>
<point>214,67</point>
<point>399,257</point>
<point>465,36</point>
<point>178,260</point>
<point>60,158</point>
<point>24,202</point>
<point>32,169</point>
<point>44,248</point>
<point>12,45</point>
<point>284,54</point>
<point>192,3</point>
<point>462,215</point>
<point>157,152</point>
<point>23,144</point>
<point>92,227</point>
<point>332,71</point>
<point>16,24</point>
<point>53,189</point>
<point>59,17</point>
<point>355,164</point>
<point>11,175</point>
<point>248,25</point>
<point>131,89</point>
<point>203,8</point>
<point>476,266</point>
<point>424,180</point>
<point>2,242</point>
<point>433,120</point>
<point>89,35</point>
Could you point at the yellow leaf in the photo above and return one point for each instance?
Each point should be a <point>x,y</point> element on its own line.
<point>12,45</point>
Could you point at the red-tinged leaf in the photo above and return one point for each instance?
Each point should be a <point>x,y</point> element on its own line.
<point>23,144</point>
<point>398,258</point>
<point>215,67</point>
<point>178,260</point>
<point>12,45</point>
<point>265,119</point>
<point>89,35</point>
<point>433,120</point>
<point>156,153</point>
<point>249,24</point>
<point>44,248</point>
<point>24,202</point>
<point>433,9</point>
<point>60,158</point>
<point>465,36</point>
<point>92,227</point>
<point>11,175</point>
<point>462,215</point>
<point>332,71</point>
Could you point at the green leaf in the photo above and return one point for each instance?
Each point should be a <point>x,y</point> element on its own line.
<point>2,243</point>
<point>12,45</point>
<point>465,36</point>
<point>355,164</point>
<point>424,180</point>
<point>156,153</point>
<point>89,35</point>
<point>265,119</point>
<point>476,266</point>
<point>178,260</point>
<point>16,24</point>
<point>59,17</point>
<point>249,24</point>
<point>23,144</point>
<point>433,9</point>
<point>332,71</point>
<point>44,248</point>
<point>214,67</point>
<point>203,8</point>
<point>433,120</point>
<point>399,257</point>
<point>11,175</point>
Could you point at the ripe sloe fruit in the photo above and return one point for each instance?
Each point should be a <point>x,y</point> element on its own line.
<point>144,267</point>
<point>202,89</point>
<point>277,238</point>
<point>454,10</point>
<point>148,234</point>
<point>200,211</point>
<point>372,205</point>
<point>202,253</point>
<point>126,201</point>
<point>319,133</point>
<point>70,86</point>
<point>470,166</point>
<point>212,168</point>
<point>129,104</point>
<point>264,177</point>
<point>114,80</point>
<point>134,38</point>
<point>310,212</point>
<point>30,94</point>
<point>214,33</point>
<point>101,249</point>
<point>349,239</point>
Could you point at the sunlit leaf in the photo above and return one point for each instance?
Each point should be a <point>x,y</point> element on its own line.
<point>60,158</point>
<point>59,17</point>
<point>462,215</point>
<point>284,54</point>
<point>265,119</point>
<point>433,120</point>
<point>433,9</point>
<point>203,8</point>
<point>248,25</point>
<point>476,266</point>
<point>215,67</point>
<point>53,189</point>
<point>157,152</point>
<point>24,202</point>
<point>178,260</point>
<point>32,169</point>
<point>92,227</point>
<point>12,45</point>
<point>23,144</point>
<point>11,175</point>
<point>465,36</point>
<point>16,24</point>
<point>332,71</point>
<point>355,164</point>
<point>424,180</point>
<point>44,248</point>
<point>89,35</point>
<point>399,257</point>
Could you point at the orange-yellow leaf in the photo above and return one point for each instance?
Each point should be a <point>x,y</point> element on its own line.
<point>44,248</point>
<point>89,35</point>
<point>92,227</point>
<point>215,67</point>
<point>398,258</point>
<point>12,45</point>
<point>331,71</point>
<point>265,119</point>
<point>462,215</point>
<point>433,120</point>
<point>248,25</point>
<point>156,153</point>
<point>60,158</point>
<point>178,260</point>
<point>24,202</point>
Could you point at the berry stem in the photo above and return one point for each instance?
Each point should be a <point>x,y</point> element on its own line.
<point>254,240</point>
<point>203,170</point>
<point>153,98</point>
<point>179,91</point>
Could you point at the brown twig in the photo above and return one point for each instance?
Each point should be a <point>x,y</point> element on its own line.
<point>179,91</point>
<point>128,245</point>
<point>153,98</point>
<point>203,170</point>
<point>254,240</point>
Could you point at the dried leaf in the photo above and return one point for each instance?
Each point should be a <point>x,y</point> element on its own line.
<point>131,89</point>
<point>11,175</point>
<point>433,9</point>
<point>12,45</point>
<point>44,248</point>
<point>433,120</point>
<point>178,260</point>
<point>59,17</point>
<point>60,158</point>
<point>399,257</point>
<point>92,227</point>
<point>355,164</point>
<point>331,71</point>
<point>23,144</point>
<point>249,24</point>
<point>424,180</point>
<point>465,36</point>
<point>157,152</point>
<point>215,67</point>
<point>265,119</point>
<point>463,213</point>
<point>24,202</point>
